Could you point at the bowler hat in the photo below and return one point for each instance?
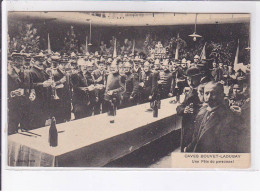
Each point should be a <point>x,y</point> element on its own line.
<point>193,71</point>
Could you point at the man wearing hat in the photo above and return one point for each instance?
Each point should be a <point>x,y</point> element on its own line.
<point>84,94</point>
<point>100,76</point>
<point>41,93</point>
<point>137,69</point>
<point>181,82</point>
<point>165,81</point>
<point>18,94</point>
<point>196,61</point>
<point>217,72</point>
<point>130,94</point>
<point>236,99</point>
<point>61,107</point>
<point>114,86</point>
<point>190,106</point>
<point>147,84</point>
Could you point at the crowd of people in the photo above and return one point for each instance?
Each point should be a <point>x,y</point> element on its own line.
<point>49,84</point>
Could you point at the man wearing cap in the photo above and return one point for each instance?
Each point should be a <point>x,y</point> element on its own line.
<point>41,93</point>
<point>62,106</point>
<point>130,80</point>
<point>190,106</point>
<point>196,61</point>
<point>84,94</point>
<point>147,84</point>
<point>165,81</point>
<point>100,77</point>
<point>236,99</point>
<point>137,70</point>
<point>18,94</point>
<point>216,72</point>
<point>114,86</point>
<point>225,74</point>
<point>181,82</point>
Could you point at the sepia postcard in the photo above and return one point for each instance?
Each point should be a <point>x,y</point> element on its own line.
<point>127,89</point>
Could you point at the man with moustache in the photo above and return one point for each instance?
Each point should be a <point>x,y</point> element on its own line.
<point>62,106</point>
<point>83,91</point>
<point>100,77</point>
<point>165,81</point>
<point>181,82</point>
<point>18,94</point>
<point>147,84</point>
<point>190,106</point>
<point>41,93</point>
<point>129,97</point>
<point>219,128</point>
<point>114,87</point>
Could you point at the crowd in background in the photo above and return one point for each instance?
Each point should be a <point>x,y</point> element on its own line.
<point>74,86</point>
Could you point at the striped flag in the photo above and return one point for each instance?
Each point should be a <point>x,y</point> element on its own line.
<point>49,44</point>
<point>236,65</point>
<point>114,53</point>
<point>177,49</point>
<point>133,50</point>
<point>203,53</point>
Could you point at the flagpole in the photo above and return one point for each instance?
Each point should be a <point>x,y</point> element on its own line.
<point>86,49</point>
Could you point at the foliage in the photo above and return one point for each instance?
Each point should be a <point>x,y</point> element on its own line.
<point>70,41</point>
<point>222,52</point>
<point>126,47</point>
<point>26,40</point>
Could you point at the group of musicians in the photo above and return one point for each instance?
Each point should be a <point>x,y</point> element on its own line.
<point>44,85</point>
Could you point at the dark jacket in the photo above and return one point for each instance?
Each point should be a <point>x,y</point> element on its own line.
<point>114,84</point>
<point>150,84</point>
<point>79,95</point>
<point>165,86</point>
<point>131,85</point>
<point>188,119</point>
<point>43,95</point>
<point>218,132</point>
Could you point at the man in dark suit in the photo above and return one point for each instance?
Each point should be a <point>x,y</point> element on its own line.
<point>190,107</point>
<point>181,81</point>
<point>165,81</point>
<point>114,87</point>
<point>219,128</point>
<point>83,91</point>
<point>147,84</point>
<point>130,80</point>
<point>41,93</point>
<point>61,107</point>
<point>100,76</point>
<point>18,94</point>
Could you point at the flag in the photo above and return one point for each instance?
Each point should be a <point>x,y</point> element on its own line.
<point>49,45</point>
<point>86,48</point>
<point>133,50</point>
<point>236,65</point>
<point>114,53</point>
<point>203,53</point>
<point>177,49</point>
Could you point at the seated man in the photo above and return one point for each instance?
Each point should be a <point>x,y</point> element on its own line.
<point>219,128</point>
